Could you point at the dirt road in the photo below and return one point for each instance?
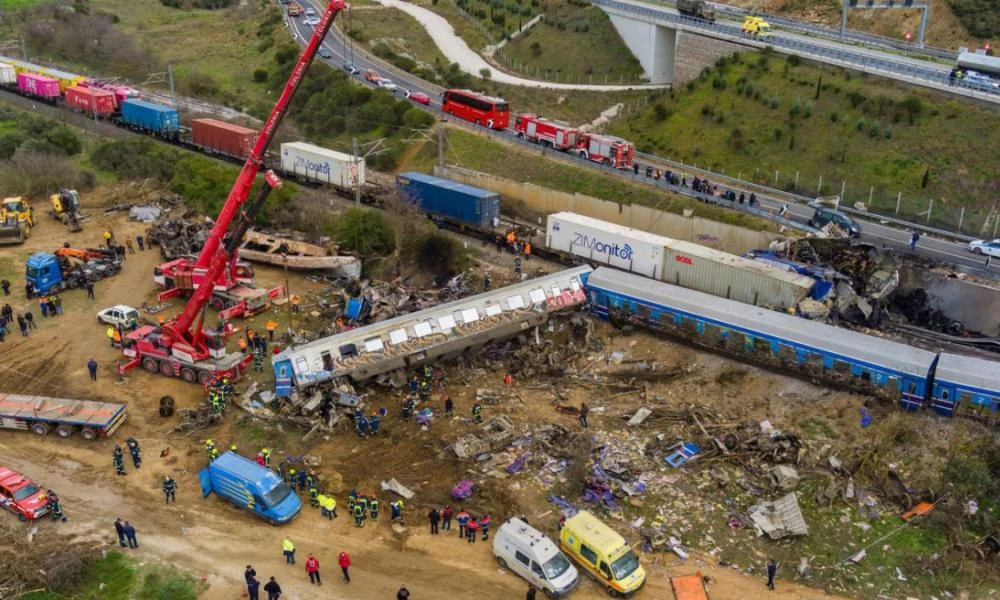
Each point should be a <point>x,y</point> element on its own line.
<point>207,537</point>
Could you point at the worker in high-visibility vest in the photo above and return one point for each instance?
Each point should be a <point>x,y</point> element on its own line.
<point>111,336</point>
<point>242,343</point>
<point>295,303</point>
<point>271,326</point>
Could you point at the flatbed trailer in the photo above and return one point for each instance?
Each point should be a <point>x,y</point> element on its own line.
<point>41,414</point>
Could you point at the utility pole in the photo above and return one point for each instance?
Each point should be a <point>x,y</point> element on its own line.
<point>24,50</point>
<point>355,177</point>
<point>441,147</point>
<point>170,81</point>
<point>288,294</point>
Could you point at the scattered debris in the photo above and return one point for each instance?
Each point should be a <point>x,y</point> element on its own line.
<point>394,486</point>
<point>780,518</point>
<point>493,435</point>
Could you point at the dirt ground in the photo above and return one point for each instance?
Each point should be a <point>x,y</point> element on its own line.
<point>215,541</point>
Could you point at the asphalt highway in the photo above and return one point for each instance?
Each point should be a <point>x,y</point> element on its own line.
<point>342,51</point>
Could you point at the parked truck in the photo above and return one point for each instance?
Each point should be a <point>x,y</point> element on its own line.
<point>251,487</point>
<point>444,198</point>
<point>605,149</point>
<point>698,9</point>
<point>40,415</point>
<point>54,272</point>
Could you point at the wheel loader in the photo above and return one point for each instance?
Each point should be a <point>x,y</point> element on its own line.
<point>16,220</point>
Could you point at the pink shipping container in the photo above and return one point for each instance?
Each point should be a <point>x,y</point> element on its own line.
<point>38,86</point>
<point>90,100</point>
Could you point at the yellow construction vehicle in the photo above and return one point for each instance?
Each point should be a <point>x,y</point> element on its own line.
<point>757,27</point>
<point>66,208</point>
<point>16,220</point>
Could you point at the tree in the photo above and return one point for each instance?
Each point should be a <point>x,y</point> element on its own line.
<point>365,232</point>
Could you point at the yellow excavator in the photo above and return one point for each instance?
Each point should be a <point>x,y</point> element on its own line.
<point>16,220</point>
<point>66,208</point>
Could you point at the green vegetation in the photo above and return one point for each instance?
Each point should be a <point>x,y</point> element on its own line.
<point>14,5</point>
<point>500,18</point>
<point>37,155</point>
<point>482,154</point>
<point>117,577</point>
<point>573,43</point>
<point>189,4</point>
<point>756,115</point>
<point>980,17</point>
<point>366,232</point>
<point>440,254</point>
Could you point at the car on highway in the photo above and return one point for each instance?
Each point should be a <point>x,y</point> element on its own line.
<point>983,247</point>
<point>386,84</point>
<point>310,12</point>
<point>822,216</point>
<point>121,315</point>
<point>418,97</point>
<point>22,497</point>
<point>323,52</point>
<point>351,69</point>
<point>372,76</point>
<point>312,22</point>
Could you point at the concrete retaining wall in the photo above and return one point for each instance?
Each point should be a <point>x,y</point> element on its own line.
<point>975,305</point>
<point>541,200</point>
<point>695,52</point>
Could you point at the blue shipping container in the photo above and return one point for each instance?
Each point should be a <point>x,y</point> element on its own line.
<point>470,205</point>
<point>151,117</point>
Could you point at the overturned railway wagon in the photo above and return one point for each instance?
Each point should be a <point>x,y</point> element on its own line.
<point>904,374</point>
<point>425,336</point>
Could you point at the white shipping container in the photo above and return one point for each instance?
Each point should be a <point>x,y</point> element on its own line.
<point>598,241</point>
<point>729,276</point>
<point>7,74</point>
<point>322,164</point>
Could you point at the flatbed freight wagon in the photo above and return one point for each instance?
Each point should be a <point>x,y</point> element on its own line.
<point>41,414</point>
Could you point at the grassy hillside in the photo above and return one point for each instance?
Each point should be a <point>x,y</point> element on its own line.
<point>482,154</point>
<point>573,43</point>
<point>758,113</point>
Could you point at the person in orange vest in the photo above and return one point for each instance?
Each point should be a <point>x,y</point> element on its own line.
<point>160,320</point>
<point>508,379</point>
<point>242,343</point>
<point>271,326</point>
<point>295,303</point>
<point>527,250</point>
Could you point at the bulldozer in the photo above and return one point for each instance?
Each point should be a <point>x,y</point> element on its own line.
<point>66,208</point>
<point>16,220</point>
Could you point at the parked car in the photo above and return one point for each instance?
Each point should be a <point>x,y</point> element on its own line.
<point>386,84</point>
<point>982,247</point>
<point>822,216</point>
<point>22,497</point>
<point>418,97</point>
<point>351,69</point>
<point>323,52</point>
<point>121,315</point>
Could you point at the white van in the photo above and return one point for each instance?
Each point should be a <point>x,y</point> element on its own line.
<point>526,551</point>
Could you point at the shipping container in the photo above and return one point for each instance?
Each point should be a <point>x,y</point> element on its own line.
<point>38,86</point>
<point>7,74</point>
<point>90,100</point>
<point>64,78</point>
<point>148,116</point>
<point>323,165</point>
<point>681,263</point>
<point>220,137</point>
<point>625,248</point>
<point>464,203</point>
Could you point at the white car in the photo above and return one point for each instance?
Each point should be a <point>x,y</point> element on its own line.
<point>124,316</point>
<point>386,84</point>
<point>312,22</point>
<point>310,12</point>
<point>982,247</point>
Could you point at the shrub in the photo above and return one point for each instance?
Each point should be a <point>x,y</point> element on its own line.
<point>719,82</point>
<point>794,60</point>
<point>834,117</point>
<point>887,132</point>
<point>778,132</point>
<point>874,130</point>
<point>808,110</point>
<point>365,232</point>
<point>861,125</point>
<point>775,102</point>
<point>796,108</point>
<point>260,75</point>
<point>856,99</point>
<point>440,254</point>
<point>661,112</point>
<point>749,90</point>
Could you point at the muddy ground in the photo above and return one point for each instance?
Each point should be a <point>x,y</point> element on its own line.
<point>215,541</point>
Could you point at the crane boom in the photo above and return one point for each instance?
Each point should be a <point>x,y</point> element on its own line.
<point>241,188</point>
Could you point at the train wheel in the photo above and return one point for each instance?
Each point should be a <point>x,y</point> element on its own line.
<point>166,369</point>
<point>150,365</point>
<point>188,375</point>
<point>64,431</point>
<point>88,434</point>
<point>167,401</point>
<point>40,429</point>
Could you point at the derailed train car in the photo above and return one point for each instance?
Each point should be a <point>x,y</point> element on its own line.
<point>916,379</point>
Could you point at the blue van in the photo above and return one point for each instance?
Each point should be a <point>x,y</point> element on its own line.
<point>250,486</point>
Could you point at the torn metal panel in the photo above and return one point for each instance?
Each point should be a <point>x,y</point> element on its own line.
<point>394,486</point>
<point>780,518</point>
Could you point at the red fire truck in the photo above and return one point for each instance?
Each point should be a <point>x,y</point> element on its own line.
<point>605,149</point>
<point>552,134</point>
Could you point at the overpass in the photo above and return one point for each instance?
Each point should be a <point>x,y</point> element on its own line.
<point>659,37</point>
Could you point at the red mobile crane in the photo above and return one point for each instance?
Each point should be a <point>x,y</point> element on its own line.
<point>182,347</point>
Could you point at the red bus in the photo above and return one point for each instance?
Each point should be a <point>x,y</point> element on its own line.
<point>481,110</point>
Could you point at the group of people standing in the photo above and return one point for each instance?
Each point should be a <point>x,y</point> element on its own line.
<point>25,321</point>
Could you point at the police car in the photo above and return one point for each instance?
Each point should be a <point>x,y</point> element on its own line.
<point>22,497</point>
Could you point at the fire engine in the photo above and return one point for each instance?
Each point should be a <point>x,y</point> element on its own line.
<point>605,149</point>
<point>552,134</point>
<point>183,347</point>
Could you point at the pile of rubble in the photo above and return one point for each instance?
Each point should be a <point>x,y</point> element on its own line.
<point>178,237</point>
